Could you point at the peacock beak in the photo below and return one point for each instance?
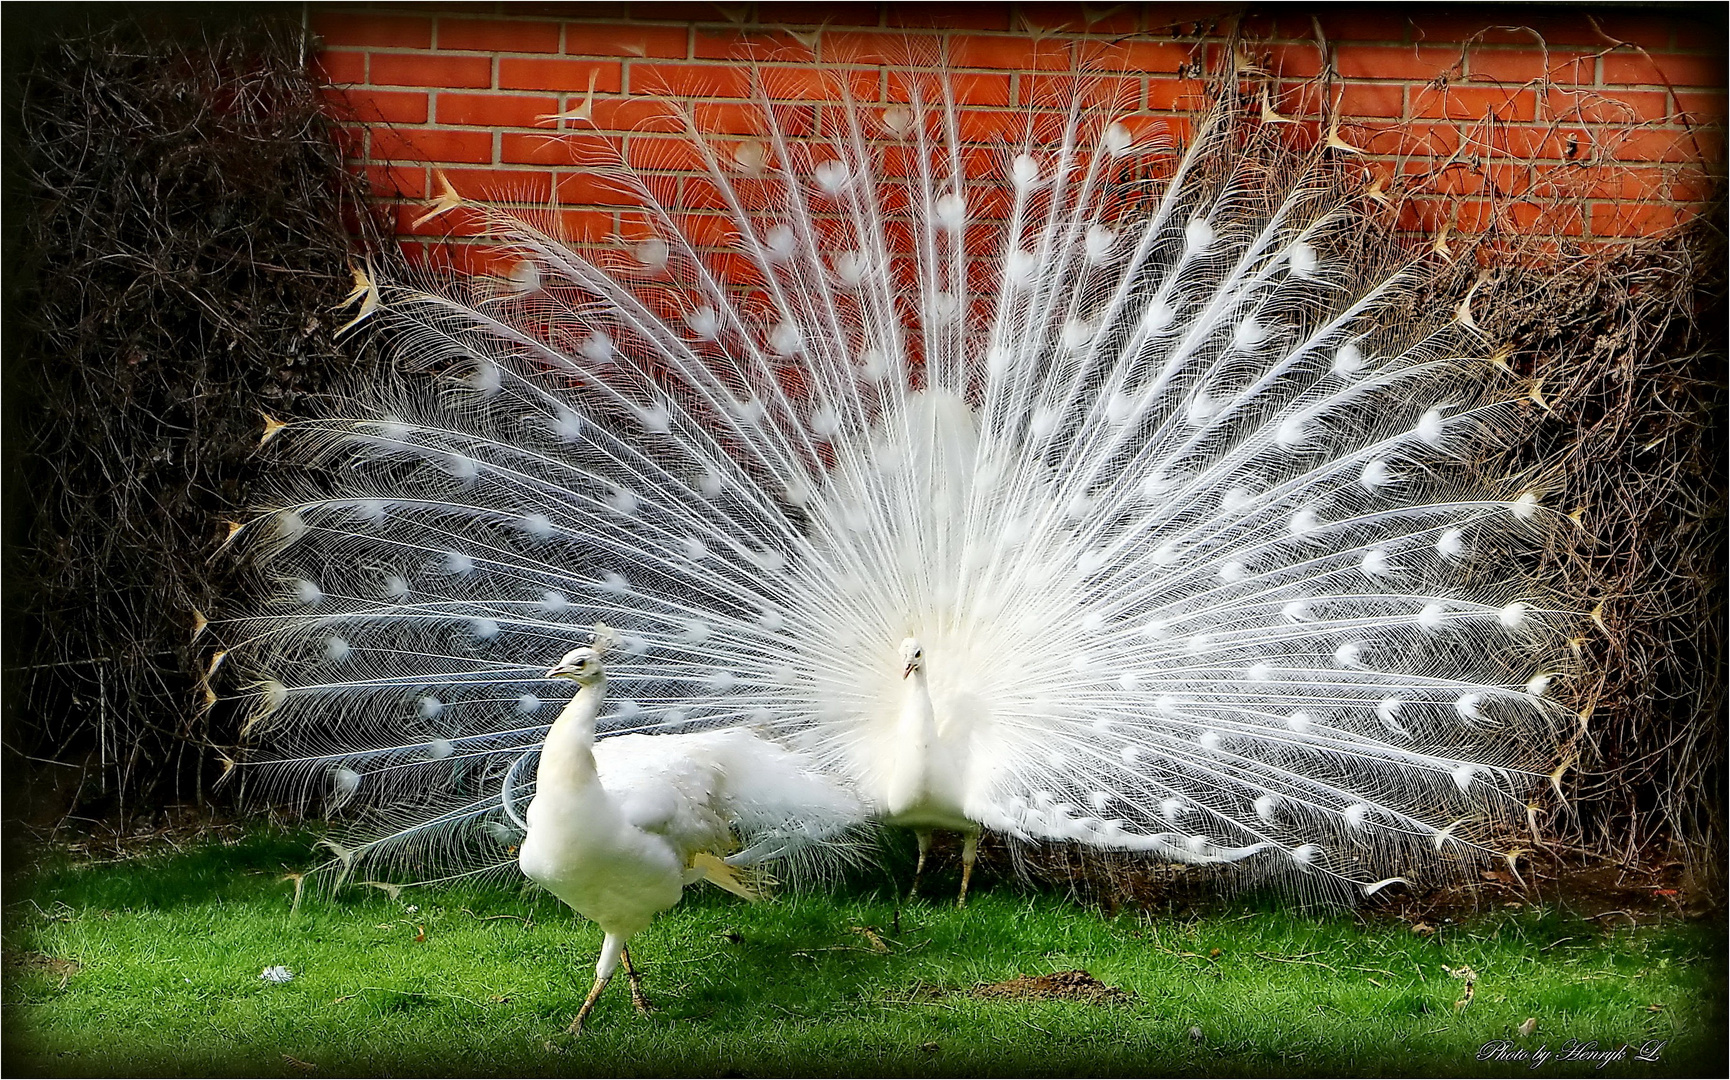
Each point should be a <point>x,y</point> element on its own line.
<point>563,671</point>
<point>909,670</point>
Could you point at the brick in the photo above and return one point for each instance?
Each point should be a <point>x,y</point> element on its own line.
<point>584,226</point>
<point>1359,22</point>
<point>1007,53</point>
<point>1117,93</point>
<point>1457,102</point>
<point>1294,61</point>
<point>1524,65</point>
<point>397,181</point>
<point>968,88</point>
<point>550,149</point>
<point>502,185</point>
<point>1654,31</point>
<point>1700,28</point>
<point>865,47</point>
<point>431,144</point>
<point>1425,215</point>
<point>1627,219</point>
<point>803,83</point>
<point>591,189</point>
<point>705,230</point>
<point>340,67</point>
<point>1650,145</point>
<point>695,193</point>
<point>1154,57</point>
<point>804,13</point>
<point>1595,107</point>
<point>498,35</point>
<point>1706,107</point>
<point>408,222</point>
<point>1544,220</point>
<point>736,45</point>
<point>489,259</point>
<point>940,16</point>
<point>494,110</point>
<point>1664,69</point>
<point>1628,184</point>
<point>1546,142</point>
<point>1692,186</point>
<point>626,115</point>
<point>350,141</point>
<point>672,11</point>
<point>691,80</point>
<point>1708,145</point>
<point>671,155</point>
<point>634,39</point>
<point>372,29</point>
<point>1074,18</point>
<point>1457,180</point>
<point>379,106</point>
<point>1389,63</point>
<point>1411,137</point>
<point>430,69</point>
<point>572,76</point>
<point>1524,27</point>
<point>1372,99</point>
<point>1175,95</point>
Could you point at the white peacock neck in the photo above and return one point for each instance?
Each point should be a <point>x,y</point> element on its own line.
<point>918,729</point>
<point>567,756</point>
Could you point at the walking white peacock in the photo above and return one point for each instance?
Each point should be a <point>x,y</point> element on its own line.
<point>1162,461</point>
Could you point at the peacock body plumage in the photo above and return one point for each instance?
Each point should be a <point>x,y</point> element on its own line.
<point>1166,457</point>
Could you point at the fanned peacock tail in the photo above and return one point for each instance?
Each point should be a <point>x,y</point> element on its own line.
<point>1169,456</point>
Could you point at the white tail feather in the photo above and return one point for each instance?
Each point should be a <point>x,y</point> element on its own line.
<point>1176,494</point>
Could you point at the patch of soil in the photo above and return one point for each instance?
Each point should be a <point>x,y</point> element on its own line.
<point>18,962</point>
<point>1074,985</point>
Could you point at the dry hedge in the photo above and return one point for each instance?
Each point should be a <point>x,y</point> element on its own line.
<point>178,231</point>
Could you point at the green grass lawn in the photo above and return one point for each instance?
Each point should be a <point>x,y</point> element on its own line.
<point>153,965</point>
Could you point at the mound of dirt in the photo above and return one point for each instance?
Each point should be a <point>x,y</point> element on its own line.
<point>1074,985</point>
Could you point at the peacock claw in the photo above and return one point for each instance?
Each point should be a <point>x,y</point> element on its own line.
<point>636,980</point>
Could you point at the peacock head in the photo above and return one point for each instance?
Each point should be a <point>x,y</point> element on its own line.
<point>912,656</point>
<point>582,665</point>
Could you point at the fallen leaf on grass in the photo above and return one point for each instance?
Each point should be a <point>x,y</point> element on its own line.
<point>1423,929</point>
<point>276,974</point>
<point>1529,1026</point>
<point>304,1066</point>
<point>877,943</point>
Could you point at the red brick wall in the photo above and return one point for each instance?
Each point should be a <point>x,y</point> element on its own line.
<point>1624,109</point>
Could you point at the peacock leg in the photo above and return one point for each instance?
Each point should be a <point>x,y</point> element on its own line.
<point>969,852</point>
<point>612,947</point>
<point>637,998</point>
<point>924,837</point>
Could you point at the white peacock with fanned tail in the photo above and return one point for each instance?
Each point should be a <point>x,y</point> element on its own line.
<point>1099,487</point>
